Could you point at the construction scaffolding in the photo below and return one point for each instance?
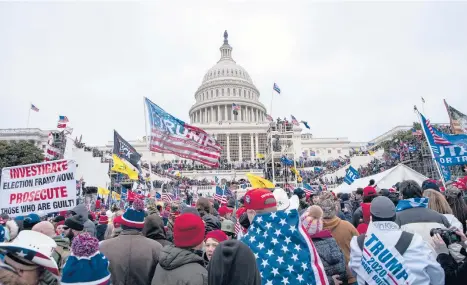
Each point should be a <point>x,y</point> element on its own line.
<point>280,148</point>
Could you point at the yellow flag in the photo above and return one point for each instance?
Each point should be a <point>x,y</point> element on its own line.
<point>259,182</point>
<point>371,152</point>
<point>115,196</point>
<point>122,167</point>
<point>102,191</point>
<point>259,155</point>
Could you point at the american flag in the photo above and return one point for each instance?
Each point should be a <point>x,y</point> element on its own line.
<point>294,121</point>
<point>269,118</point>
<point>34,108</point>
<point>235,107</point>
<point>239,230</point>
<point>61,125</point>
<point>63,119</point>
<point>171,135</point>
<point>308,189</point>
<point>290,187</point>
<point>284,252</point>
<point>220,195</point>
<point>436,137</point>
<point>167,197</point>
<point>276,88</point>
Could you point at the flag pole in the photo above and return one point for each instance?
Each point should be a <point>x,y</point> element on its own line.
<point>147,140</point>
<point>272,97</point>
<point>29,115</point>
<point>423,105</point>
<point>429,146</point>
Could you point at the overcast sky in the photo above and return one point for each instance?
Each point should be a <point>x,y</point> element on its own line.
<point>350,69</point>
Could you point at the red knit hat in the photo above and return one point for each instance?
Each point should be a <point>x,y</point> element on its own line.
<point>259,199</point>
<point>61,223</point>
<point>224,211</point>
<point>103,220</point>
<point>369,191</point>
<point>117,221</point>
<point>218,235</point>
<point>188,230</point>
<point>240,211</point>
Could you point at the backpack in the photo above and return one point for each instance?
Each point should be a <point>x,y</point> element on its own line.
<point>401,246</point>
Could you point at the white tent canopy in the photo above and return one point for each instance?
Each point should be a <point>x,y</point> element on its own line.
<point>385,179</point>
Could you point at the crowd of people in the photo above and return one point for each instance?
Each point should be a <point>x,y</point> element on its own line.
<point>414,233</point>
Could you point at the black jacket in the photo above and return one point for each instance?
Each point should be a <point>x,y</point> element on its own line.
<point>455,273</point>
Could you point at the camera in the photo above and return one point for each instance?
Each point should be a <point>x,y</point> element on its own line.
<point>448,236</point>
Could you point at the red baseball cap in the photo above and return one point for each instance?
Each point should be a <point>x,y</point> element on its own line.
<point>369,191</point>
<point>259,199</point>
<point>224,210</point>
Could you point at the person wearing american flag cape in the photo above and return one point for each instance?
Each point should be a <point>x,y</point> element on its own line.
<point>28,260</point>
<point>282,247</point>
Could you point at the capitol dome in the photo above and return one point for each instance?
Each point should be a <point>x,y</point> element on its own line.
<point>224,86</point>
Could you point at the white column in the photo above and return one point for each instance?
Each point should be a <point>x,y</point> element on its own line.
<point>256,141</point>
<point>218,113</point>
<point>240,147</point>
<point>252,148</point>
<point>240,114</point>
<point>257,115</point>
<point>225,112</point>
<point>205,115</point>
<point>228,147</point>
<point>212,114</point>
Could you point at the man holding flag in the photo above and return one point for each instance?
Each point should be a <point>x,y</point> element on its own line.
<point>284,251</point>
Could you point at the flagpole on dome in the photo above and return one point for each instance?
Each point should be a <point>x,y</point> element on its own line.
<point>29,115</point>
<point>429,146</point>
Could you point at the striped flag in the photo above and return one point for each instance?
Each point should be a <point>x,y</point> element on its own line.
<point>269,118</point>
<point>438,139</point>
<point>63,119</point>
<point>276,88</point>
<point>294,121</point>
<point>417,132</point>
<point>235,107</point>
<point>239,230</point>
<point>173,136</point>
<point>220,195</point>
<point>167,197</point>
<point>457,118</point>
<point>61,126</point>
<point>34,108</point>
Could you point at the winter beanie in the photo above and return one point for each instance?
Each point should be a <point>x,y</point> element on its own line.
<point>75,222</point>
<point>86,265</point>
<point>45,227</point>
<point>430,184</point>
<point>311,220</point>
<point>188,231</point>
<point>233,263</point>
<point>134,217</point>
<point>218,235</point>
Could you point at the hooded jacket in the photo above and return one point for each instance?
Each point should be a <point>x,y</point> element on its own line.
<point>211,222</point>
<point>178,266</point>
<point>154,229</point>
<point>133,257</point>
<point>418,257</point>
<point>342,232</point>
<point>233,263</point>
<point>88,224</point>
<point>330,254</point>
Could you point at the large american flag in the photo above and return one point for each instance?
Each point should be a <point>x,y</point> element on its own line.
<point>171,135</point>
<point>284,252</point>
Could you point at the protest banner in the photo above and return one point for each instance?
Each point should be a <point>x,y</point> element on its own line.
<point>38,188</point>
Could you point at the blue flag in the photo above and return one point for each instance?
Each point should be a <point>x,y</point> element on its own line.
<point>447,149</point>
<point>305,124</point>
<point>350,175</point>
<point>284,252</point>
<point>286,161</point>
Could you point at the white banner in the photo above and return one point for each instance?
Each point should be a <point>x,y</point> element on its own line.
<point>38,188</point>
